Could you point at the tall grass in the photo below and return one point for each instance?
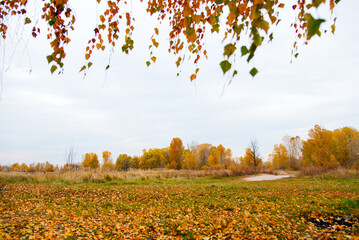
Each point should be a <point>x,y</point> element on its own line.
<point>115,176</point>
<point>325,173</point>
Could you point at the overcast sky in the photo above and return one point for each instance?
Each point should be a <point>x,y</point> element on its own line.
<point>135,107</point>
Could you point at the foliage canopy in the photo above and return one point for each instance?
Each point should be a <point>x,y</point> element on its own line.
<point>189,21</point>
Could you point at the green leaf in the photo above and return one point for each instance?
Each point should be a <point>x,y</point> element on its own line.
<point>107,67</point>
<point>89,64</point>
<point>225,65</point>
<point>317,3</point>
<point>234,73</point>
<point>271,37</point>
<point>53,69</point>
<point>83,68</point>
<point>253,71</point>
<point>49,59</point>
<point>52,21</point>
<point>244,50</point>
<point>148,63</point>
<point>251,55</point>
<point>229,49</point>
<point>313,25</point>
<point>296,55</point>
<point>27,20</point>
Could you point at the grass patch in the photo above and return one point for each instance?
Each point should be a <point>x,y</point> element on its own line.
<point>180,208</point>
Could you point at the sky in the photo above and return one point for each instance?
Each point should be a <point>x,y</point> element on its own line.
<point>132,107</point>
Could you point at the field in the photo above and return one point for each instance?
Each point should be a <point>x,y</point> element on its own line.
<point>203,207</point>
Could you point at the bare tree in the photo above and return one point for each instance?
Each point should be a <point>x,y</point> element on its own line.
<point>70,159</point>
<point>253,146</point>
<point>294,148</point>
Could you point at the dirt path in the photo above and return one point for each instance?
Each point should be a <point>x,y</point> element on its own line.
<point>265,177</point>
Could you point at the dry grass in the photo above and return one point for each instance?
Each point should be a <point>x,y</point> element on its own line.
<point>325,173</point>
<point>113,176</point>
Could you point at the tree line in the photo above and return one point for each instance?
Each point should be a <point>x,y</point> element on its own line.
<point>323,148</point>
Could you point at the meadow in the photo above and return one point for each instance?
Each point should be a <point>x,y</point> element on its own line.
<point>219,206</point>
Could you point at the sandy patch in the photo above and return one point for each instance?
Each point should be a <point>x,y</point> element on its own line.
<point>265,177</point>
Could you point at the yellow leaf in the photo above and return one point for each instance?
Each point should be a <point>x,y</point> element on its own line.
<point>187,11</point>
<point>231,17</point>
<point>196,18</point>
<point>155,43</point>
<point>153,59</point>
<point>258,2</point>
<point>178,62</point>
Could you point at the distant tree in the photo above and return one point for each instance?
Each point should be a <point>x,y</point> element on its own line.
<point>48,167</point>
<point>221,154</point>
<point>294,148</point>
<point>253,146</point>
<point>317,149</point>
<point>32,167</point>
<point>90,161</point>
<point>190,160</point>
<point>24,168</point>
<point>252,156</point>
<point>228,160</point>
<point>107,161</point>
<point>153,158</point>
<point>123,162</point>
<point>70,164</point>
<point>214,158</point>
<point>135,162</point>
<point>175,153</point>
<point>15,167</point>
<point>331,148</point>
<point>279,157</point>
<point>203,151</point>
<point>346,146</point>
<point>246,160</point>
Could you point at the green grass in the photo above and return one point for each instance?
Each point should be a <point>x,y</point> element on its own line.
<point>184,208</point>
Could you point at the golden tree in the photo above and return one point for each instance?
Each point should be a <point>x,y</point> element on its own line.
<point>175,153</point>
<point>107,161</point>
<point>90,161</point>
<point>279,157</point>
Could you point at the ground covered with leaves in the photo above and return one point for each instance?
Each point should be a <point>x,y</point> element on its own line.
<point>224,208</point>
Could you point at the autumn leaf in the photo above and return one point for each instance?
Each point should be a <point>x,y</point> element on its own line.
<point>27,20</point>
<point>83,68</point>
<point>193,77</point>
<point>53,69</point>
<point>225,65</point>
<point>187,24</point>
<point>49,58</point>
<point>229,49</point>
